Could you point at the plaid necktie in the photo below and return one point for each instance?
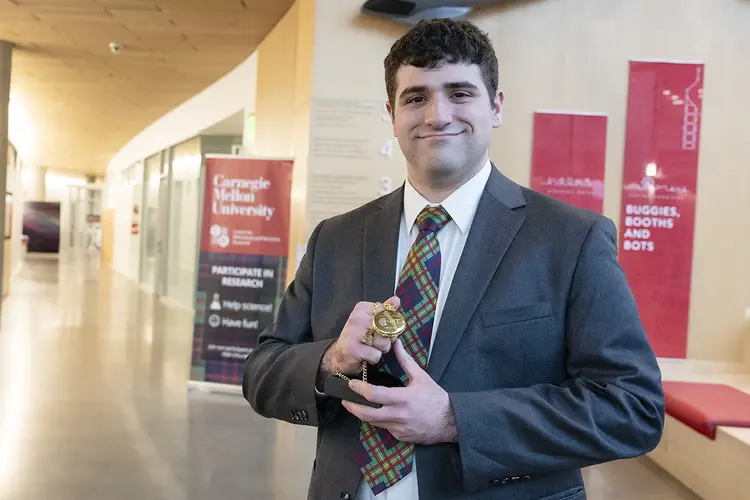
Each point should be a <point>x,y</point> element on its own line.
<point>383,459</point>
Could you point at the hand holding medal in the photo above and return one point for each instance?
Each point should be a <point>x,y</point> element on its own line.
<point>387,323</point>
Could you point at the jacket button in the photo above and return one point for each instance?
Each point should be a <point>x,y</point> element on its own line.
<point>346,496</point>
<point>496,482</point>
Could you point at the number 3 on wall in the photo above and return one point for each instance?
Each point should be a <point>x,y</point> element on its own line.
<point>387,149</point>
<point>386,186</point>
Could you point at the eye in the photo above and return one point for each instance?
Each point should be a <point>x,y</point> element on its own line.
<point>461,94</point>
<point>415,100</point>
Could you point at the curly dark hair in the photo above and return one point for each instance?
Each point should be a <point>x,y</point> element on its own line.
<point>431,43</point>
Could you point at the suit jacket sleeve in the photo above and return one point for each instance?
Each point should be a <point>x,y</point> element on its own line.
<point>611,407</point>
<point>280,373</point>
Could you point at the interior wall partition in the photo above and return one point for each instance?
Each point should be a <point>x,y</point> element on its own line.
<point>151,182</point>
<point>168,194</point>
<point>183,221</point>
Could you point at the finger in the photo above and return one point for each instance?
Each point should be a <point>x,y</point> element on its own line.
<point>411,368</point>
<point>381,343</point>
<point>395,301</point>
<point>362,412</point>
<point>379,417</point>
<point>370,354</point>
<point>377,394</point>
<point>361,314</point>
<point>363,306</point>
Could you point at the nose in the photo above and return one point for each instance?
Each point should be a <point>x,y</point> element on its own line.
<point>438,114</point>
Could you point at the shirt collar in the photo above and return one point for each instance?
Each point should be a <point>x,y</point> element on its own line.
<point>461,205</point>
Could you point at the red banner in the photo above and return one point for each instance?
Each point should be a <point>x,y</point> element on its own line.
<point>659,194</point>
<point>242,263</point>
<point>568,157</point>
<point>246,206</point>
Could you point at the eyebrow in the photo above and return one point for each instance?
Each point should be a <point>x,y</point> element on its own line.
<point>416,89</point>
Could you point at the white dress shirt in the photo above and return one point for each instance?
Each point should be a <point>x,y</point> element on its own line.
<point>461,205</point>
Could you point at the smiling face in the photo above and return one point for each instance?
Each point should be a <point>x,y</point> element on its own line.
<point>443,118</point>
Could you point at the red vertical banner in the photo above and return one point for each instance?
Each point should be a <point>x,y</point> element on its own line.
<point>242,263</point>
<point>568,156</point>
<point>246,206</point>
<point>659,194</point>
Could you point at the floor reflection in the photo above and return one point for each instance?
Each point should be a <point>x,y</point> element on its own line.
<point>94,405</point>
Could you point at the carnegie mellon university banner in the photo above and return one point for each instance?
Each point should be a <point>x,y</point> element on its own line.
<point>242,263</point>
<point>659,196</point>
<point>568,157</point>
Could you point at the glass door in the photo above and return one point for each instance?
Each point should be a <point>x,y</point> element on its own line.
<point>162,230</point>
<point>150,220</point>
<point>183,222</point>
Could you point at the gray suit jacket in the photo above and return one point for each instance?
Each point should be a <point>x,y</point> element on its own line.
<point>540,348</point>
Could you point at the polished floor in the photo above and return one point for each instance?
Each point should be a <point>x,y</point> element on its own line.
<point>93,405</point>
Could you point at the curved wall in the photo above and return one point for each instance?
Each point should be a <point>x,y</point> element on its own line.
<point>233,93</point>
<point>230,94</point>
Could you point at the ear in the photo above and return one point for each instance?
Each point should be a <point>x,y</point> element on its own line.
<point>390,110</point>
<point>497,109</point>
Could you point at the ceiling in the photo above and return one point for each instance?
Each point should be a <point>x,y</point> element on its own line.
<point>83,102</point>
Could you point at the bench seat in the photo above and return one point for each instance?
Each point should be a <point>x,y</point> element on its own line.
<point>706,441</point>
<point>704,406</point>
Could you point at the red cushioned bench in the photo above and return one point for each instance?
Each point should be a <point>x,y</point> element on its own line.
<point>704,406</point>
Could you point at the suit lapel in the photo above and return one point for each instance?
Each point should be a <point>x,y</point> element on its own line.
<point>381,248</point>
<point>492,231</point>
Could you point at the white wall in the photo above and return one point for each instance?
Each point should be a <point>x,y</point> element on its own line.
<point>33,183</point>
<point>123,204</point>
<point>56,189</point>
<point>232,93</point>
<point>15,186</point>
<point>56,185</point>
<point>126,259</point>
<point>21,135</point>
<point>20,130</point>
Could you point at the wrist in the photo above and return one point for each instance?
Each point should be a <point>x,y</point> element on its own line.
<point>450,431</point>
<point>326,367</point>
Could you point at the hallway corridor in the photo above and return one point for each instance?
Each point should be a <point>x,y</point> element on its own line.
<point>94,405</point>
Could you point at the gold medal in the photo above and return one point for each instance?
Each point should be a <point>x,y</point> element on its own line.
<point>389,323</point>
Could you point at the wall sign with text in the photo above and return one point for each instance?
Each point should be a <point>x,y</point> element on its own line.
<point>242,263</point>
<point>568,157</point>
<point>659,191</point>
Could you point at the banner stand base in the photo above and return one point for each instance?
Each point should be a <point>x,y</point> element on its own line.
<point>213,387</point>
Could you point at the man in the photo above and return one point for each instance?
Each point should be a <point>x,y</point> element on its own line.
<point>524,358</point>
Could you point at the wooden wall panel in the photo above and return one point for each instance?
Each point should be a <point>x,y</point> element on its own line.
<point>108,235</point>
<point>573,55</point>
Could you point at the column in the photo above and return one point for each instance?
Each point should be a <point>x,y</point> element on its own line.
<point>282,108</point>
<point>5,57</point>
<point>323,101</point>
